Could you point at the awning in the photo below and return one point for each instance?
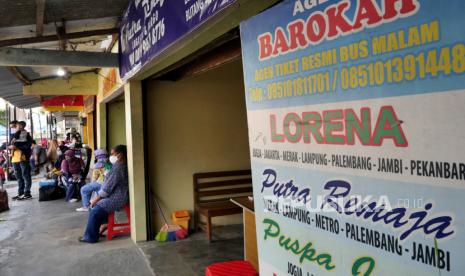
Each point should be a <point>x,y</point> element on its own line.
<point>11,90</point>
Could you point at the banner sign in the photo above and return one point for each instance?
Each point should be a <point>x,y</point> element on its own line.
<point>63,103</point>
<point>150,26</point>
<point>355,111</point>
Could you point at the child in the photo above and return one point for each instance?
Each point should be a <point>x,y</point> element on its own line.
<point>22,140</point>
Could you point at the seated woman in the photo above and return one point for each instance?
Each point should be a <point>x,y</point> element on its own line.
<point>112,196</point>
<point>101,168</point>
<point>60,155</point>
<point>52,155</point>
<point>71,170</point>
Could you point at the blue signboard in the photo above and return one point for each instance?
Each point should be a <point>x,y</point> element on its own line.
<point>150,26</point>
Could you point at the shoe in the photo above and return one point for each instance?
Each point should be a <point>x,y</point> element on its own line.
<point>73,200</point>
<point>81,239</point>
<point>21,197</point>
<point>17,197</point>
<point>27,197</point>
<point>82,209</point>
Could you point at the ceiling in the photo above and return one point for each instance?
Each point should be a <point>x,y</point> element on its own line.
<point>60,116</point>
<point>19,20</point>
<point>23,12</point>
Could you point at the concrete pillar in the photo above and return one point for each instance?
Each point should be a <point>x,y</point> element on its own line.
<point>31,123</point>
<point>84,133</point>
<point>90,130</point>
<point>101,125</point>
<point>136,166</point>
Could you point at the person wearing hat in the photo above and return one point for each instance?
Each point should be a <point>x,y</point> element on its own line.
<point>101,167</point>
<point>71,172</point>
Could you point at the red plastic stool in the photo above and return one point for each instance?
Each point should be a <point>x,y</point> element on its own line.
<point>118,228</point>
<point>236,268</point>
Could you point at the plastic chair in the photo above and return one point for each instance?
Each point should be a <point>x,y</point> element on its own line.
<point>243,268</point>
<point>118,228</point>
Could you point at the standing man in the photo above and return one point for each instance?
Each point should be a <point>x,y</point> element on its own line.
<point>38,158</point>
<point>73,135</point>
<point>21,147</point>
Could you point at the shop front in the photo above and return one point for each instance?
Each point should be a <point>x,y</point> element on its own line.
<point>343,100</point>
<point>188,71</point>
<point>111,129</point>
<point>118,120</point>
<point>200,120</point>
<point>89,121</point>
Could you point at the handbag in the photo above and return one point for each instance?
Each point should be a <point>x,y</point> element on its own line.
<point>4,201</point>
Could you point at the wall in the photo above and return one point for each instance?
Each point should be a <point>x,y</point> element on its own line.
<point>116,123</point>
<point>90,130</point>
<point>109,87</point>
<point>195,125</point>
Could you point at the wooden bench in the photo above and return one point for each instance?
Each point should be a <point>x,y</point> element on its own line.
<point>212,193</point>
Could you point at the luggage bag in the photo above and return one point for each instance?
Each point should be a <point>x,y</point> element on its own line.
<point>48,193</point>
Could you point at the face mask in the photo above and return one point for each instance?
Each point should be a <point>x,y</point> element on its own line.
<point>13,130</point>
<point>113,159</point>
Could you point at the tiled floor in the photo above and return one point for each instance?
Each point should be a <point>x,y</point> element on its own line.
<point>41,239</point>
<point>192,256</point>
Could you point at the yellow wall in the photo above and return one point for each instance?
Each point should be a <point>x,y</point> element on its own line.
<point>116,123</point>
<point>195,125</point>
<point>101,123</point>
<point>90,130</point>
<point>78,84</point>
<point>84,135</point>
<point>104,96</point>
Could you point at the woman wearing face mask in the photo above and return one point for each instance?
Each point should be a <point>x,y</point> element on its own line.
<point>71,170</point>
<point>62,148</point>
<point>112,196</point>
<point>101,168</point>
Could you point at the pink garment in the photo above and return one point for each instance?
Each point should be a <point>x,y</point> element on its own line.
<point>73,166</point>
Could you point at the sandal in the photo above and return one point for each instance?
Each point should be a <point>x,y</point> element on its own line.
<point>102,230</point>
